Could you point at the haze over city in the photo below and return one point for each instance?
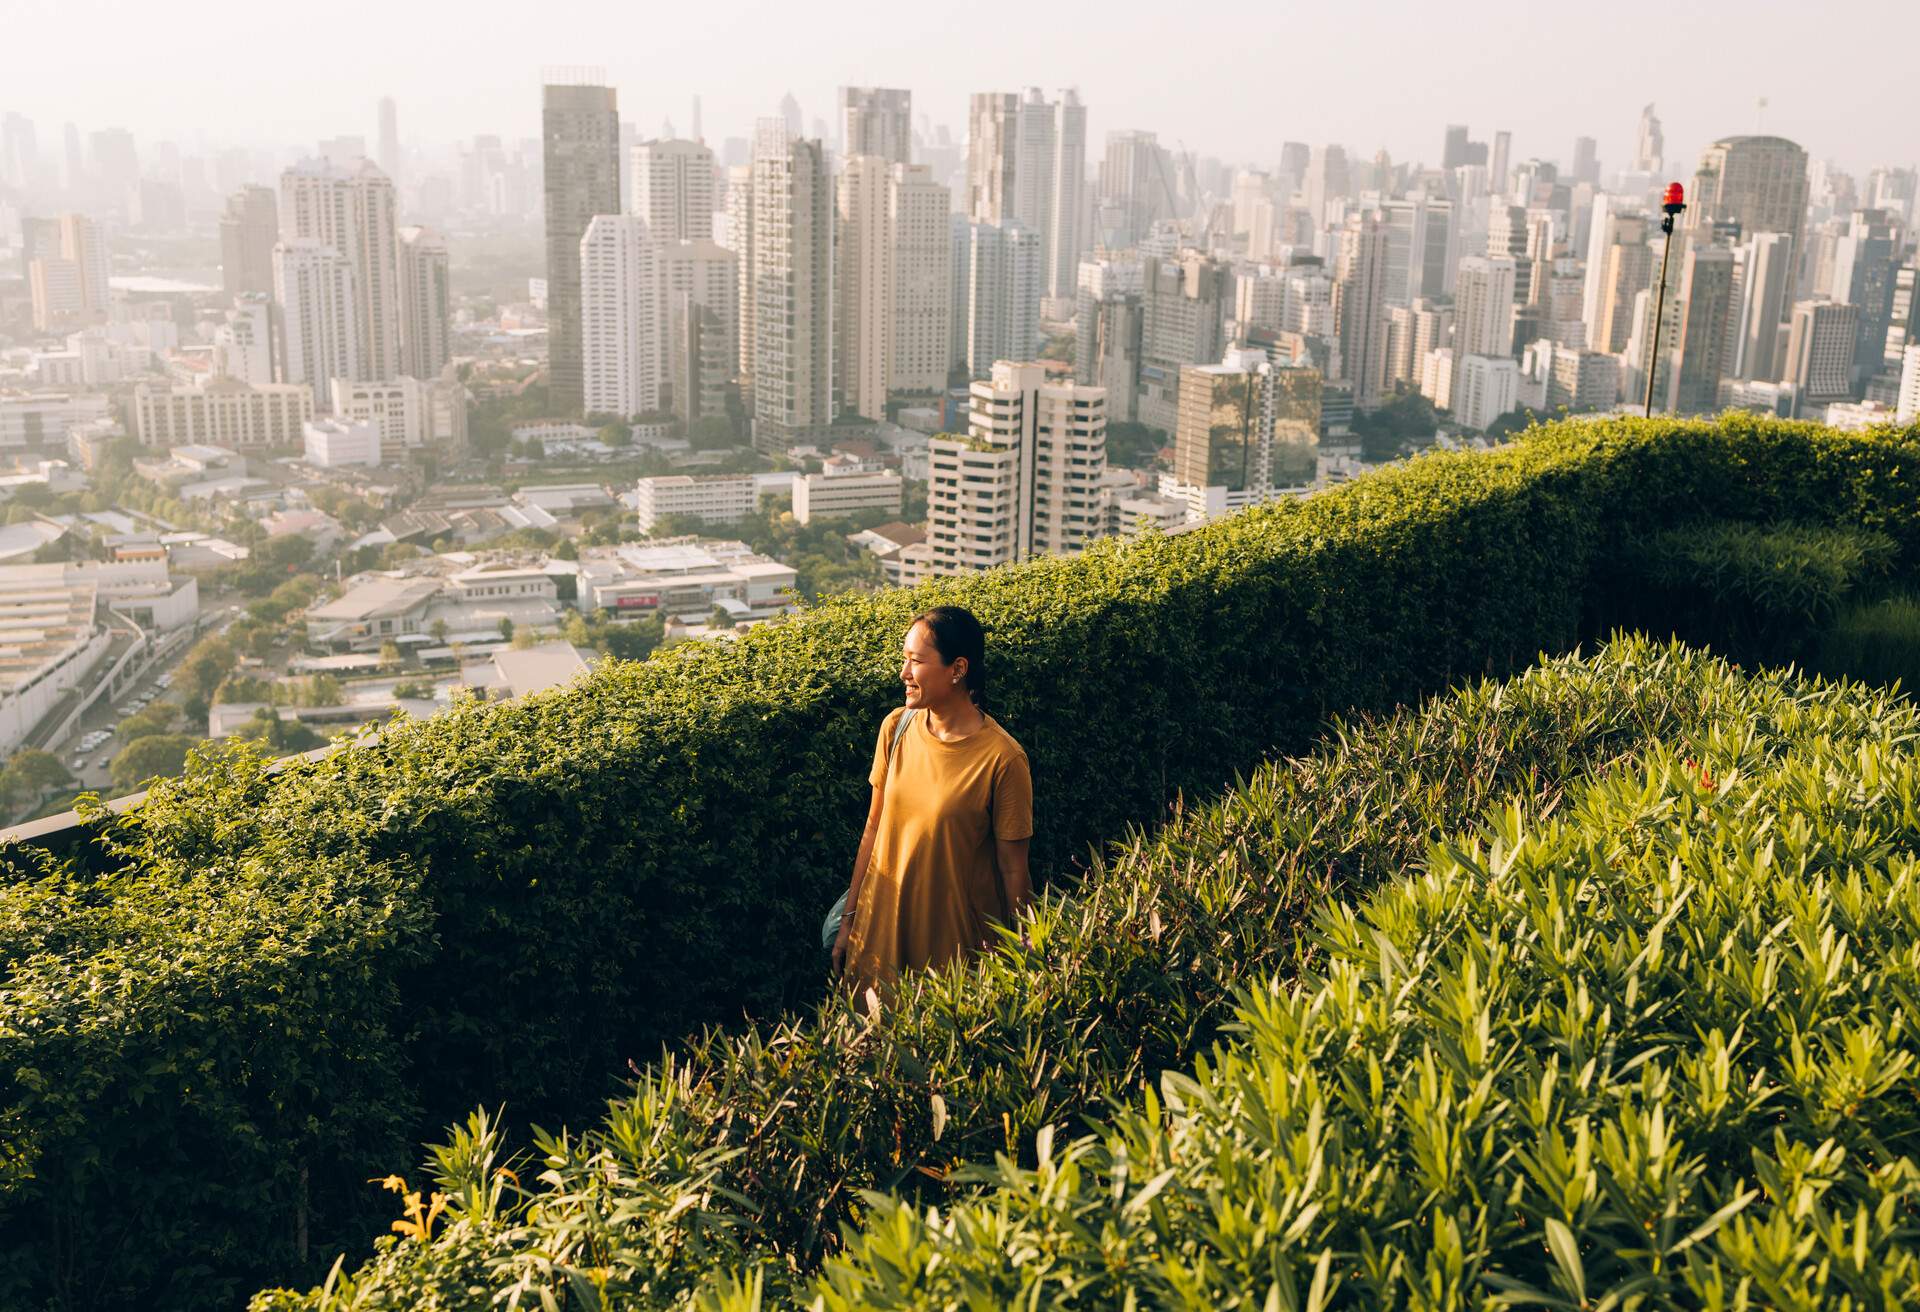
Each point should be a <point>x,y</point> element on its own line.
<point>1386,75</point>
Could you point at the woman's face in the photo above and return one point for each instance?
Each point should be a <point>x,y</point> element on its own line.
<point>929,680</point>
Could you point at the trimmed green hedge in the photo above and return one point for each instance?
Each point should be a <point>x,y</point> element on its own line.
<point>606,869</point>
<point>197,1065</point>
<point>1650,1046</point>
<point>754,1150</point>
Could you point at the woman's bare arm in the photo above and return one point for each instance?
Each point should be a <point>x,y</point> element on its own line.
<point>1011,856</point>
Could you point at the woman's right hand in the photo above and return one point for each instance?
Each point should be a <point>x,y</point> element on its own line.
<point>840,949</point>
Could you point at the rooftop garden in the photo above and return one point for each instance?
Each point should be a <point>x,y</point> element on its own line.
<point>596,910</point>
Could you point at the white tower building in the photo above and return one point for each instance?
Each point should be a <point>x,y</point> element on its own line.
<point>621,333</point>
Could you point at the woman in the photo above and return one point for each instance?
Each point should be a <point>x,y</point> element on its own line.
<point>944,853</point>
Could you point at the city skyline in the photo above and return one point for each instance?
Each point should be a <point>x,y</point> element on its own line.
<point>1234,100</point>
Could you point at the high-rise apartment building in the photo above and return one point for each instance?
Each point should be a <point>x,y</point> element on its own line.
<point>1420,248</point>
<point>1626,270</point>
<point>701,282</point>
<point>792,276</point>
<point>1483,312</point>
<point>1248,429</point>
<point>1003,295</point>
<point>67,272</point>
<point>877,121</point>
<point>739,240</point>
<point>1026,480</point>
<point>243,346</point>
<point>1184,303</point>
<point>622,336</point>
<point>672,189</point>
<point>426,303</point>
<point>1766,280</point>
<point>1066,231</point>
<point>1866,263</point>
<point>1134,188</point>
<point>248,229</point>
<point>320,329</point>
<point>1488,387</point>
<point>1586,162</point>
<point>993,121</point>
<point>918,213</point>
<point>1108,322</point>
<point>1361,307</point>
<point>580,129</point>
<point>352,210</point>
<point>1700,351</point>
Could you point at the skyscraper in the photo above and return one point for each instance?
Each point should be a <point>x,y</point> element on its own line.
<point>1766,297</point>
<point>1499,162</point>
<point>1650,144</point>
<point>877,121</point>
<point>1483,311</point>
<point>1003,295</point>
<point>580,127</point>
<point>1759,183</point>
<point>389,139</point>
<point>1133,188</point>
<point>792,277</point>
<point>320,327</point>
<point>248,229</point>
<point>1361,307</point>
<point>739,240</point>
<point>352,210</point>
<point>993,120</point>
<point>426,326</point>
<point>863,286</point>
<point>1586,164</point>
<point>1184,305</point>
<point>1066,231</point>
<point>701,282</point>
<point>1700,352</point>
<point>67,272</point>
<point>622,336</point>
<point>672,189</point>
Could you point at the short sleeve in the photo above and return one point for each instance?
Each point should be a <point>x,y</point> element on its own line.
<point>878,773</point>
<point>1013,798</point>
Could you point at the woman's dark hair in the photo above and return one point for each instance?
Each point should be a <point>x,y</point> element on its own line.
<point>957,633</point>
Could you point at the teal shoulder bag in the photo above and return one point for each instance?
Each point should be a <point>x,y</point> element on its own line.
<point>830,927</point>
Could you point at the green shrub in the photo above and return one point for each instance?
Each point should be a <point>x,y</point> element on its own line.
<point>195,1067</point>
<point>1878,642</point>
<point>771,1135</point>
<point>609,867</point>
<point>1758,592</point>
<point>1651,1047</point>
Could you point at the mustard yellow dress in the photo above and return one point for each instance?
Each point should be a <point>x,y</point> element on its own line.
<point>932,885</point>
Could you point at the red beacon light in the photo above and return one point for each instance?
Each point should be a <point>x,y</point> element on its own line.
<point>1676,198</point>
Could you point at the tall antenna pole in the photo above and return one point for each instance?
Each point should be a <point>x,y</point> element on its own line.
<point>1675,203</point>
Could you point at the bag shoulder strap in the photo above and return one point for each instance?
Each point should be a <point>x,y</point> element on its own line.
<point>900,731</point>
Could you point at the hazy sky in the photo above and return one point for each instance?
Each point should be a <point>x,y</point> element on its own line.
<point>1233,80</point>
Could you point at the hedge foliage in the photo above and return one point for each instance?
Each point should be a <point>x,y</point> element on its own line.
<point>1767,591</point>
<point>197,1063</point>
<point>594,873</point>
<point>751,1153</point>
<point>1649,1044</point>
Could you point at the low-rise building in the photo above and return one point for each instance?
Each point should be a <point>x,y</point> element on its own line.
<point>685,578</point>
<point>410,414</point>
<point>827,495</point>
<point>707,498</point>
<point>222,412</point>
<point>332,443</point>
<point>41,420</point>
